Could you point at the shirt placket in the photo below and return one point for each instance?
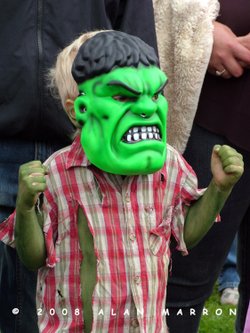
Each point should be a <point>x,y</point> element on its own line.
<point>132,250</point>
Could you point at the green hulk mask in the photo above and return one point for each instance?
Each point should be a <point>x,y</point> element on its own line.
<point>123,117</point>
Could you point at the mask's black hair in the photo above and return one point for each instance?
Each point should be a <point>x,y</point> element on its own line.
<point>108,50</point>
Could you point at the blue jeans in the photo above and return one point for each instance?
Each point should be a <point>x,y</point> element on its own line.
<point>192,279</point>
<point>229,277</point>
<point>17,284</point>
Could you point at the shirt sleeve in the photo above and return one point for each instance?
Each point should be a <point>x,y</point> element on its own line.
<point>50,213</point>
<point>7,230</point>
<point>50,227</point>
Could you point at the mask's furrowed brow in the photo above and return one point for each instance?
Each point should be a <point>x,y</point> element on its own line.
<point>123,85</point>
<point>161,87</point>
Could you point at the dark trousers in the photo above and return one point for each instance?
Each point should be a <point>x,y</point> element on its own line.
<point>17,284</point>
<point>17,290</point>
<point>192,279</point>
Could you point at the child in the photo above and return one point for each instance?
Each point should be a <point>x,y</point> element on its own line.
<point>112,199</point>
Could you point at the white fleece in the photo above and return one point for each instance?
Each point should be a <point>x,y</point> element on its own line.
<point>185,37</point>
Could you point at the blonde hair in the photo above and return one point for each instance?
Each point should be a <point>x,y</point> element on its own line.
<point>61,82</point>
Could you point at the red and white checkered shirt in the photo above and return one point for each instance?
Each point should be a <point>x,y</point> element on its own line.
<point>132,220</point>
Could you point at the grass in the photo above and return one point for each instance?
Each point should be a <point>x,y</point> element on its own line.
<point>219,318</point>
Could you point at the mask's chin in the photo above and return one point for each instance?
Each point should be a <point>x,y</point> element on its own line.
<point>141,150</point>
<point>143,161</point>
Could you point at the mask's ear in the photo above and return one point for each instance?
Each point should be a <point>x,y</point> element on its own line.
<point>69,107</point>
<point>80,108</point>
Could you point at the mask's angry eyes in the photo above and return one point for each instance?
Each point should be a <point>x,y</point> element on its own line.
<point>124,99</point>
<point>155,97</point>
<point>141,133</point>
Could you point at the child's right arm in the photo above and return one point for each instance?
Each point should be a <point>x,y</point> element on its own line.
<point>29,236</point>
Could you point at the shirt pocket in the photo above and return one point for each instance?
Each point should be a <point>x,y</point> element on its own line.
<point>159,236</point>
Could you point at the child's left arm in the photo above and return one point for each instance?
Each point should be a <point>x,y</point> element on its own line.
<point>227,167</point>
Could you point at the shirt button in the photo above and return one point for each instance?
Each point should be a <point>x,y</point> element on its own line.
<point>127,198</point>
<point>132,237</point>
<point>137,279</point>
<point>149,209</point>
<point>134,323</point>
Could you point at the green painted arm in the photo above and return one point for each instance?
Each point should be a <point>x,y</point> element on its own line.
<point>227,167</point>
<point>29,237</point>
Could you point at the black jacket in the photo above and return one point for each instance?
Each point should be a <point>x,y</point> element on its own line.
<point>32,32</point>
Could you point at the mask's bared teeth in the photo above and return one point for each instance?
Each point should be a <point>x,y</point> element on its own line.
<point>129,138</point>
<point>137,134</point>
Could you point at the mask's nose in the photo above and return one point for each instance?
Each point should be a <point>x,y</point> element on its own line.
<point>144,107</point>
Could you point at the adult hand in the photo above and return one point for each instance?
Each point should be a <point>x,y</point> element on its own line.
<point>245,41</point>
<point>229,55</point>
<point>227,167</point>
<point>31,183</point>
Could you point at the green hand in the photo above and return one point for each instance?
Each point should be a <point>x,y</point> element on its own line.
<point>32,182</point>
<point>227,167</point>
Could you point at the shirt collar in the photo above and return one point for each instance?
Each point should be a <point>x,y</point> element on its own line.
<point>76,156</point>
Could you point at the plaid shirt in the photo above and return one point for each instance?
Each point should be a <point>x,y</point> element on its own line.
<point>132,220</point>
